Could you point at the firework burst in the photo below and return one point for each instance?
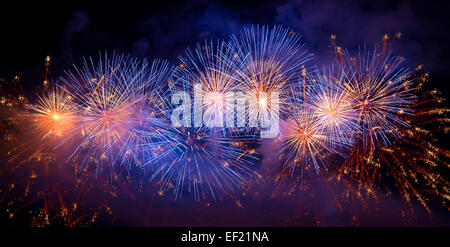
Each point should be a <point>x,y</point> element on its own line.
<point>112,99</point>
<point>382,92</point>
<point>272,58</point>
<point>204,163</point>
<point>209,71</point>
<point>305,142</point>
<point>54,114</point>
<point>413,161</point>
<point>198,157</point>
<point>332,106</point>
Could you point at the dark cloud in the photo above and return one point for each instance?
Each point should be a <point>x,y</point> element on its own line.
<point>141,47</point>
<point>365,22</point>
<point>217,21</point>
<point>164,30</point>
<point>79,21</point>
<point>171,33</point>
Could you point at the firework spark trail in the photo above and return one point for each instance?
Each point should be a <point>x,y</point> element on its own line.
<point>204,163</point>
<point>197,158</point>
<point>111,98</point>
<point>32,181</point>
<point>305,138</point>
<point>413,161</point>
<point>54,113</point>
<point>334,111</point>
<point>213,67</point>
<point>332,105</point>
<point>306,141</point>
<point>149,112</point>
<point>321,121</point>
<point>382,91</point>
<point>272,58</point>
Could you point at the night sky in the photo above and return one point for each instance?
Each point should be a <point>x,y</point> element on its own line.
<point>164,29</point>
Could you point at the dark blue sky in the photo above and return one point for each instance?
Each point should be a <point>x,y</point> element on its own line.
<point>163,29</point>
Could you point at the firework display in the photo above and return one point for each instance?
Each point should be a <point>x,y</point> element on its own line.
<point>207,160</point>
<point>272,58</point>
<point>111,98</point>
<point>363,123</point>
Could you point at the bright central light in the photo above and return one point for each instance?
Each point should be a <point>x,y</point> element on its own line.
<point>55,116</point>
<point>216,98</point>
<point>262,101</point>
<point>331,112</point>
